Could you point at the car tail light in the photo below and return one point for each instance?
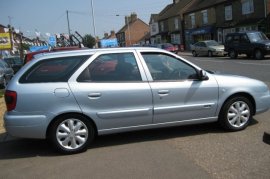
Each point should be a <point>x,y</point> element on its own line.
<point>11,100</point>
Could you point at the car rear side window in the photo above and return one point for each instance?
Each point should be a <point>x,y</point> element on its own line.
<point>114,67</point>
<point>53,70</point>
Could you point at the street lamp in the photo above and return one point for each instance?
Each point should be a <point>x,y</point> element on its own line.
<point>93,18</point>
<point>128,28</point>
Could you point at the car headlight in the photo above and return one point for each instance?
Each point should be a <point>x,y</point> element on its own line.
<point>267,47</point>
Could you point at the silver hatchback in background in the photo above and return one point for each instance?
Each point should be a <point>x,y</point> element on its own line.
<point>6,73</point>
<point>70,97</point>
<point>208,48</point>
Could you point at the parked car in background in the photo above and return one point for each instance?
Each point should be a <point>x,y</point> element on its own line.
<point>209,48</point>
<point>29,56</point>
<point>169,47</point>
<point>73,97</point>
<point>14,62</point>
<point>6,73</point>
<point>252,43</point>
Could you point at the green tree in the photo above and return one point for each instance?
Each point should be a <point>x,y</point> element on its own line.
<point>89,41</point>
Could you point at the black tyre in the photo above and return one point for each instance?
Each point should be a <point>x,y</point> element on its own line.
<point>210,53</point>
<point>194,53</point>
<point>71,134</point>
<point>236,114</point>
<point>232,54</point>
<point>258,55</point>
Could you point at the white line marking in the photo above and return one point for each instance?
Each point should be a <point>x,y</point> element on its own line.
<point>260,64</point>
<point>208,60</point>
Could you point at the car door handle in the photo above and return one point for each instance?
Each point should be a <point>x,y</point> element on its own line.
<point>94,95</point>
<point>163,92</point>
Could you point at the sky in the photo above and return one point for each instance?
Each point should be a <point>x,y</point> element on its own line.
<point>49,16</point>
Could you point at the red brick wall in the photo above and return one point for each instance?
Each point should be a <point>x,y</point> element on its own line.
<point>138,30</point>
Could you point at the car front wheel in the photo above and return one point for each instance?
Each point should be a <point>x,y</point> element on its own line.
<point>258,54</point>
<point>236,114</point>
<point>71,134</point>
<point>194,53</point>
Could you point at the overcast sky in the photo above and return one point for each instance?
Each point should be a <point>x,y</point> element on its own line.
<point>49,16</point>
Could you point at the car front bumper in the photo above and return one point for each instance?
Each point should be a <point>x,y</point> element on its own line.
<point>263,104</point>
<point>26,126</point>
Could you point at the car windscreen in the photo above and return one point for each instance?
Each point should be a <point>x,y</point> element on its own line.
<point>211,43</point>
<point>53,70</point>
<point>256,36</point>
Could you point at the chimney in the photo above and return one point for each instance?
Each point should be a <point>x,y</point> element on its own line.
<point>112,33</point>
<point>133,17</point>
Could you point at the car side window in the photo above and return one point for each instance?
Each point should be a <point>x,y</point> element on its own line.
<point>53,70</point>
<point>244,39</point>
<point>203,44</point>
<point>236,39</point>
<point>229,39</point>
<point>165,67</point>
<point>112,68</point>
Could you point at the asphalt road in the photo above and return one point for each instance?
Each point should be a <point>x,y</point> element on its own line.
<point>200,151</point>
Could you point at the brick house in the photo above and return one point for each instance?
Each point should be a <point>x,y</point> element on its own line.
<point>132,32</point>
<point>207,20</point>
<point>241,15</point>
<point>171,22</point>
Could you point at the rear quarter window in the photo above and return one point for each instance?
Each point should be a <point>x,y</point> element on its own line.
<point>53,70</point>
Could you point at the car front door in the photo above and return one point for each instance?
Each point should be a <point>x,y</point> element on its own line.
<point>178,94</point>
<point>244,45</point>
<point>111,88</point>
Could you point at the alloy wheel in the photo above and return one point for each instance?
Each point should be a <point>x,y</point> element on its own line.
<point>72,134</point>
<point>238,114</point>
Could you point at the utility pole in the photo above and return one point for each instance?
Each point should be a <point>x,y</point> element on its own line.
<point>93,18</point>
<point>69,36</point>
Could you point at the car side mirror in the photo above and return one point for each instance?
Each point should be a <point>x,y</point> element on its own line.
<point>202,75</point>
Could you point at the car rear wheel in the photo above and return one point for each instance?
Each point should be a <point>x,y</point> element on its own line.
<point>210,53</point>
<point>236,114</point>
<point>71,134</point>
<point>233,54</point>
<point>258,54</point>
<point>194,53</point>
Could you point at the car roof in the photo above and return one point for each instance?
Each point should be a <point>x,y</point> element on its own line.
<point>237,33</point>
<point>92,51</point>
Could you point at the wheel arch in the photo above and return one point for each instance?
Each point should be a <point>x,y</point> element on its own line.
<point>241,94</point>
<point>71,113</point>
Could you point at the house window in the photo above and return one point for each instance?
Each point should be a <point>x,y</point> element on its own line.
<point>162,26</point>
<point>176,23</point>
<point>205,16</point>
<point>192,20</point>
<point>228,13</point>
<point>247,7</point>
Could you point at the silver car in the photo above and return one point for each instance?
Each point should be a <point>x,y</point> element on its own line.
<point>71,97</point>
<point>6,73</point>
<point>209,48</point>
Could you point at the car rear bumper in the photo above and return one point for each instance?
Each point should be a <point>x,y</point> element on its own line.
<point>26,126</point>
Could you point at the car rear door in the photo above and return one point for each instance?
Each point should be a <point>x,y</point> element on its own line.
<point>111,88</point>
<point>178,95</point>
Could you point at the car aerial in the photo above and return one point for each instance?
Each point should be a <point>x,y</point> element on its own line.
<point>14,62</point>
<point>74,96</point>
<point>6,73</point>
<point>251,43</point>
<point>208,47</point>
<point>169,47</point>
